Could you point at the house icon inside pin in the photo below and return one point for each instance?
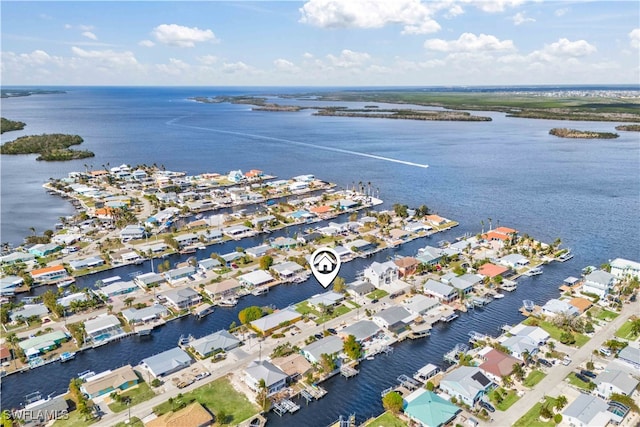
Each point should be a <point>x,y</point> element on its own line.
<point>324,263</point>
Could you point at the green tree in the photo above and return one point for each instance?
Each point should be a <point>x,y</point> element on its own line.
<point>327,362</point>
<point>266,262</point>
<point>561,402</point>
<point>128,301</point>
<point>401,210</point>
<point>430,386</point>
<point>635,327</point>
<point>567,338</point>
<point>518,371</point>
<point>263,394</point>
<point>392,402</point>
<point>339,285</point>
<point>249,314</point>
<point>352,348</point>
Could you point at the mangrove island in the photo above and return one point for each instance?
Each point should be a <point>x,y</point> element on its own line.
<point>51,147</point>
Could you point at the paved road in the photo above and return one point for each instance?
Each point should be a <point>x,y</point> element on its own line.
<point>145,409</point>
<point>551,384</point>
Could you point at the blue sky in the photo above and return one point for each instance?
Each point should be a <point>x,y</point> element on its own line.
<point>320,42</point>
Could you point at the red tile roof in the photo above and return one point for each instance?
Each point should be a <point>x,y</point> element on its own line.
<point>492,270</point>
<point>499,363</point>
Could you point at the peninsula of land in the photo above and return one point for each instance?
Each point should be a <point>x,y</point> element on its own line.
<point>7,125</point>
<point>582,134</point>
<point>51,147</point>
<point>12,93</point>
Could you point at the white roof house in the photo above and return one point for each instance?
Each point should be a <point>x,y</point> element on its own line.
<point>131,232</point>
<point>257,251</point>
<point>273,376</point>
<point>182,298</point>
<point>381,273</point>
<point>420,304</point>
<point>329,345</point>
<point>467,383</point>
<point>513,261</point>
<point>287,269</point>
<point>614,381</point>
<point>554,307</point>
<point>536,333</point>
<point>141,315</point>
<point>587,411</point>
<point>273,321</point>
<point>391,316</point>
<point>621,268</point>
<point>228,286</point>
<point>27,311</point>
<point>598,282</point>
<point>256,278</point>
<point>212,343</point>
<point>518,345</point>
<point>362,330</point>
<point>444,293</point>
<point>328,299</point>
<point>167,362</point>
<point>106,324</point>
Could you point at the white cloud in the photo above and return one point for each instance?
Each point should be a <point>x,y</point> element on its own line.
<point>180,36</point>
<point>235,67</point>
<point>108,58</point>
<point>285,66</point>
<point>307,55</point>
<point>454,11</point>
<point>175,67</point>
<point>634,38</point>
<point>561,12</point>
<point>493,6</point>
<point>90,35</point>
<point>35,58</point>
<point>86,27</point>
<point>415,16</point>
<point>349,59</point>
<point>567,48</point>
<point>68,26</point>
<point>207,59</point>
<point>520,18</point>
<point>146,43</point>
<point>469,42</point>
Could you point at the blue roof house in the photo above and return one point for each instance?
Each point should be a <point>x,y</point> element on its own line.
<point>429,409</point>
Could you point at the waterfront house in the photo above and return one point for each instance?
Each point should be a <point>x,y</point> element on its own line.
<point>420,305</point>
<point>327,299</point>
<point>520,345</point>
<point>288,270</point>
<point>49,274</point>
<point>117,288</point>
<point>430,255</point>
<point>271,322</point>
<point>630,355</point>
<point>90,262</point>
<point>435,219</point>
<point>8,285</point>
<point>513,261</point>
<point>467,384</point>
<point>406,266</point>
<point>622,268</point>
<point>155,248</point>
<point>535,333</point>
<point>142,315</point>
<point>261,221</point>
<point>167,362</point>
<point>44,249</point>
<point>416,227</point>
<point>345,204</point>
<point>127,256</point>
<point>343,252</point>
<point>598,282</point>
<point>222,289</point>
<point>43,411</point>
<point>330,345</point>
<point>586,411</point>
<point>428,409</point>
<point>381,273</point>
<point>5,354</point>
<point>177,274</point>
<point>237,231</point>
<point>491,270</point>
<point>131,232</point>
<point>256,278</point>
<point>147,280</point>
<point>284,243</point>
<point>294,365</point>
<point>464,284</point>
<point>394,318</point>
<point>360,288</point>
<point>444,293</point>
<point>67,300</point>
<point>208,264</point>
<point>16,257</point>
<point>257,251</point>
<point>235,176</point>
<point>27,311</point>
<point>363,330</point>
<point>103,327</point>
<point>321,211</point>
<point>361,245</point>
<point>187,239</point>
<point>109,381</point>
<point>501,234</point>
<point>498,365</point>
<point>214,343</point>
<point>230,257</point>
<point>181,299</point>
<point>614,381</point>
<point>554,307</point>
<point>309,237</point>
<point>192,415</point>
<point>40,344</point>
<point>581,304</point>
<point>274,379</point>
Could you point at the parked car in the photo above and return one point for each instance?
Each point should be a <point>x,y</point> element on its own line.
<point>583,378</point>
<point>605,351</point>
<point>588,373</point>
<point>374,301</point>
<point>332,331</point>
<point>488,406</point>
<point>545,362</point>
<point>202,375</point>
<point>566,361</point>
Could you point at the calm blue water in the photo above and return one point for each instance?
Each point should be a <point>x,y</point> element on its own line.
<point>511,170</point>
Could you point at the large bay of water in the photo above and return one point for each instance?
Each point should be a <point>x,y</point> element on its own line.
<point>587,192</point>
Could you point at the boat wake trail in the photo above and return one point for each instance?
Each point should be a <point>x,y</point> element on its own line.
<point>174,122</point>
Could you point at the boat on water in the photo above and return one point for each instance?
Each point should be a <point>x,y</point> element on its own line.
<point>228,302</point>
<point>144,331</point>
<point>84,375</point>
<point>203,311</point>
<point>64,283</point>
<point>182,341</point>
<point>370,357</point>
<point>528,305</point>
<point>498,296</point>
<point>260,290</point>
<point>67,355</point>
<point>565,256</point>
<point>449,318</point>
<point>535,271</point>
<point>188,251</point>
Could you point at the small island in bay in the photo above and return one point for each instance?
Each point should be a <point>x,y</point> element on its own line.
<point>51,147</point>
<point>12,93</point>
<point>7,125</point>
<point>628,128</point>
<point>584,134</point>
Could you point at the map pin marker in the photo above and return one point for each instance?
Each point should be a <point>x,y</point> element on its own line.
<point>325,264</point>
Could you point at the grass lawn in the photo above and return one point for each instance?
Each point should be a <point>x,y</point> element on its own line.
<point>534,378</point>
<point>508,399</point>
<point>135,422</point>
<point>216,396</point>
<point>377,294</point>
<point>555,331</point>
<point>625,331</point>
<point>338,311</point>
<point>138,394</point>
<point>573,380</point>
<point>532,418</point>
<point>304,308</point>
<point>75,420</point>
<point>387,420</point>
<point>606,315</point>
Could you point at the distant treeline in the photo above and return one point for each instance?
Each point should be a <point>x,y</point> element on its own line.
<point>629,128</point>
<point>7,125</point>
<point>52,147</point>
<point>574,133</point>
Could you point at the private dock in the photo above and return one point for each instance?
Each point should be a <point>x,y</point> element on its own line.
<point>408,383</point>
<point>284,406</point>
<point>348,371</point>
<point>452,355</point>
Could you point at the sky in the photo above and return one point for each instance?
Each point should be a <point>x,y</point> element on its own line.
<point>320,43</point>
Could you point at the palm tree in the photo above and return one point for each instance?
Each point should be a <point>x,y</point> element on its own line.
<point>482,223</point>
<point>128,301</point>
<point>490,226</point>
<point>561,402</point>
